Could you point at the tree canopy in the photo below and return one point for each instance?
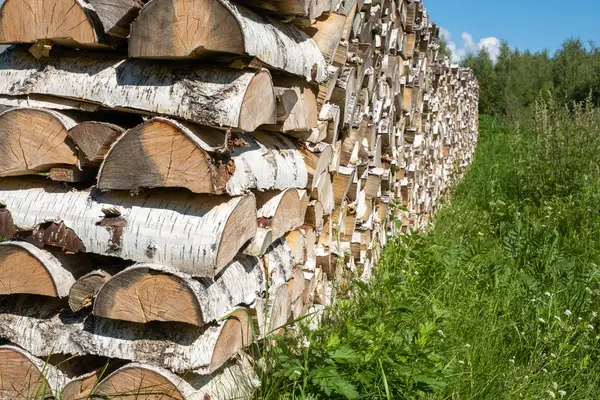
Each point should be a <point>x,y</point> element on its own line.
<point>516,79</point>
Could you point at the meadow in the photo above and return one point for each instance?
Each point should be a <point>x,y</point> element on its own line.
<point>499,299</point>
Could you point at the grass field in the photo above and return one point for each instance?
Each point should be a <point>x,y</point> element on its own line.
<point>498,300</point>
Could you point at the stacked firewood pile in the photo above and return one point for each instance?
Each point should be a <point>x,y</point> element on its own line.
<point>181,178</point>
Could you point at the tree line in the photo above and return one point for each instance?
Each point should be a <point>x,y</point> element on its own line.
<point>518,78</point>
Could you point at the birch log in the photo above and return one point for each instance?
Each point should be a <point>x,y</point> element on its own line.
<point>280,211</point>
<point>327,31</point>
<point>309,9</point>
<point>83,291</point>
<point>25,268</point>
<point>196,234</point>
<point>167,153</point>
<point>81,386</point>
<point>138,381</point>
<point>241,99</point>
<point>93,139</point>
<point>73,23</point>
<point>149,292</point>
<point>34,140</point>
<point>266,162</point>
<point>67,22</point>
<point>23,376</point>
<point>193,28</point>
<point>316,163</point>
<point>42,331</point>
<point>296,106</point>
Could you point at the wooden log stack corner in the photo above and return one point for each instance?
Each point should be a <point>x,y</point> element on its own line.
<point>179,179</point>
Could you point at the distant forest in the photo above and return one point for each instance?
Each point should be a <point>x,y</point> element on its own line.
<point>515,81</point>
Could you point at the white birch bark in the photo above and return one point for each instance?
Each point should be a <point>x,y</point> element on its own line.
<point>193,233</point>
<point>238,284</point>
<point>203,95</point>
<point>271,162</point>
<point>42,331</point>
<point>273,42</point>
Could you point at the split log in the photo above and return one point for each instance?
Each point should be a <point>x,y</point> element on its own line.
<point>239,99</point>
<point>147,292</point>
<point>25,268</point>
<point>167,153</point>
<point>82,292</point>
<point>73,23</point>
<point>196,234</point>
<point>42,331</point>
<point>331,114</point>
<point>278,262</point>
<point>270,162</point>
<point>163,29</point>
<point>316,164</point>
<point>344,91</point>
<point>94,139</point>
<point>309,9</point>
<point>280,211</point>
<point>327,32</point>
<point>73,174</point>
<point>326,88</point>
<point>296,105</point>
<point>138,381</point>
<point>260,243</point>
<point>23,376</point>
<point>341,183</point>
<point>279,308</point>
<point>34,140</point>
<point>324,193</point>
<point>314,215</point>
<point>81,386</point>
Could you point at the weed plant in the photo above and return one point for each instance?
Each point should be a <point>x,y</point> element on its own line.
<point>498,300</point>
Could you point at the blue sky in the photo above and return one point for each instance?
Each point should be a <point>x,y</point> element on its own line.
<point>525,24</point>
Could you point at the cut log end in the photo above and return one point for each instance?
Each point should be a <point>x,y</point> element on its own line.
<point>70,23</point>
<point>235,334</point>
<point>94,139</point>
<point>20,376</point>
<point>141,294</point>
<point>135,381</point>
<point>259,105</point>
<point>240,228</point>
<point>33,141</point>
<point>26,269</point>
<point>162,153</point>
<point>82,293</point>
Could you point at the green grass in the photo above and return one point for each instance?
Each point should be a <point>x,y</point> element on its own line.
<point>498,300</point>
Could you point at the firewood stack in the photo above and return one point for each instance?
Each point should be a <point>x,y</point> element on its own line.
<point>181,178</point>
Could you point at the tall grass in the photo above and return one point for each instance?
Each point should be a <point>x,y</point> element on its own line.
<point>498,300</point>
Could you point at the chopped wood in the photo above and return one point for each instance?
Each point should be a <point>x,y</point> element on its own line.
<point>149,292</point>
<point>196,234</point>
<point>163,28</point>
<point>186,348</point>
<point>316,164</point>
<point>280,211</point>
<point>73,174</point>
<point>241,99</point>
<point>72,23</point>
<point>26,377</point>
<point>34,140</point>
<point>93,139</point>
<point>135,380</point>
<point>25,268</point>
<point>83,291</point>
<point>296,105</point>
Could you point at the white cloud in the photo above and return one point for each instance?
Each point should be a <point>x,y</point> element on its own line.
<point>468,45</point>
